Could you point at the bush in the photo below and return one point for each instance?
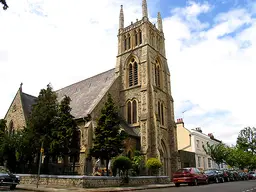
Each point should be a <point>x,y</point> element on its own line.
<point>153,164</point>
<point>137,163</point>
<point>121,163</point>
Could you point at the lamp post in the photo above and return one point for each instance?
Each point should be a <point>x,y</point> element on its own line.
<point>40,162</point>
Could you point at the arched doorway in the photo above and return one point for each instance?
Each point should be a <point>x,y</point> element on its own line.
<point>164,158</point>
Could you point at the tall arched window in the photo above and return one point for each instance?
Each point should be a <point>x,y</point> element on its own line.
<point>136,38</point>
<point>133,73</point>
<point>128,41</point>
<point>160,108</point>
<point>140,36</point>
<point>129,112</point>
<point>157,74</point>
<point>125,43</point>
<point>132,112</point>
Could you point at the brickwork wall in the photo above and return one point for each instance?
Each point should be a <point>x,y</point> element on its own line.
<point>91,181</point>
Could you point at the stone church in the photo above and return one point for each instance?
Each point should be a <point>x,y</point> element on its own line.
<point>140,86</point>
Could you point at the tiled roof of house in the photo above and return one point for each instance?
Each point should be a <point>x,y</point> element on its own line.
<point>86,94</point>
<point>27,102</point>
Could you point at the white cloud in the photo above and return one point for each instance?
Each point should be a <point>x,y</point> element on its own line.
<point>215,72</point>
<point>60,42</point>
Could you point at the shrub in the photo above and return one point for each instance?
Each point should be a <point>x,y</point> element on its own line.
<point>153,164</point>
<point>137,163</point>
<point>122,163</point>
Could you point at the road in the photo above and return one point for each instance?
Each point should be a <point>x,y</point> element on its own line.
<point>238,186</point>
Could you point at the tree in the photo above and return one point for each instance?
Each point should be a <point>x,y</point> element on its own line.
<point>153,164</point>
<point>109,138</point>
<point>217,152</point>
<point>246,139</point>
<point>64,133</point>
<point>137,163</point>
<point>42,121</point>
<point>2,128</point>
<point>231,156</point>
<point>4,3</point>
<point>123,164</point>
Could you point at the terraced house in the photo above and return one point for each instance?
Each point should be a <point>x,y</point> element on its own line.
<point>140,86</point>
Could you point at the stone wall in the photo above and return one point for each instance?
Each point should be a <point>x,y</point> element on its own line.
<point>91,181</point>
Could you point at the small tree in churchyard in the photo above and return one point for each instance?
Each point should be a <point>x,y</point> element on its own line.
<point>109,138</point>
<point>153,164</point>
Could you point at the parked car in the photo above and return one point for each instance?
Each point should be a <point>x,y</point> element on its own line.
<point>190,176</point>
<point>243,176</point>
<point>8,179</point>
<point>214,176</point>
<point>227,175</point>
<point>252,175</point>
<point>236,175</point>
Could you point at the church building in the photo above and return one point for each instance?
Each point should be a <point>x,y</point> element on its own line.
<point>140,86</point>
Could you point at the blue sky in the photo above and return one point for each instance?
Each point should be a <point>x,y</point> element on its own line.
<point>210,47</point>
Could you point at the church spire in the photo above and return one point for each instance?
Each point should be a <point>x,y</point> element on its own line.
<point>159,22</point>
<point>121,18</point>
<point>144,9</point>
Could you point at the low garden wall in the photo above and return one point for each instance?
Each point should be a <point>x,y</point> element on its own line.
<point>91,181</point>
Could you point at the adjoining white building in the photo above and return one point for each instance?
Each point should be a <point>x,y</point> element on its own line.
<point>193,141</point>
<point>199,139</point>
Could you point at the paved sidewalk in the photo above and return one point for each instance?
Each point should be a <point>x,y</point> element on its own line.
<point>47,188</point>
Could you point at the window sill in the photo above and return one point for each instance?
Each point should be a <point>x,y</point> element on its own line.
<point>134,125</point>
<point>132,87</point>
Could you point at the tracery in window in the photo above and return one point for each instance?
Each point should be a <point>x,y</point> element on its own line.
<point>133,73</point>
<point>132,111</point>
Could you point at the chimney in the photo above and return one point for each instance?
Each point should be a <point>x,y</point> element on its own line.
<point>211,135</point>
<point>199,129</point>
<point>180,122</point>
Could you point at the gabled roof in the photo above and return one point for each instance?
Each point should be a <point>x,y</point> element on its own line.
<point>27,102</point>
<point>86,94</point>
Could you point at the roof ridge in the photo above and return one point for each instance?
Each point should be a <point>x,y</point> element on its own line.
<point>85,79</point>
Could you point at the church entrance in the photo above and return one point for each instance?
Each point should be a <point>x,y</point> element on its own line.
<point>164,159</point>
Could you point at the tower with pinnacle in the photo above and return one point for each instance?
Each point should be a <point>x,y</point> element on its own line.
<point>145,90</point>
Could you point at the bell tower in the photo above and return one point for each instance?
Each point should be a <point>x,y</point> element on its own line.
<point>145,89</point>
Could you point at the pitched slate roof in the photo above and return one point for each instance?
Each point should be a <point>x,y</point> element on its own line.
<point>27,102</point>
<point>86,94</point>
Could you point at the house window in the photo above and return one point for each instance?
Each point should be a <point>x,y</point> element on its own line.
<point>199,161</point>
<point>209,162</point>
<point>160,107</point>
<point>157,74</point>
<point>132,112</point>
<point>197,143</point>
<point>133,73</point>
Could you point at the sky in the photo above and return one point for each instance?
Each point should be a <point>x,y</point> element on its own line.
<point>210,47</point>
